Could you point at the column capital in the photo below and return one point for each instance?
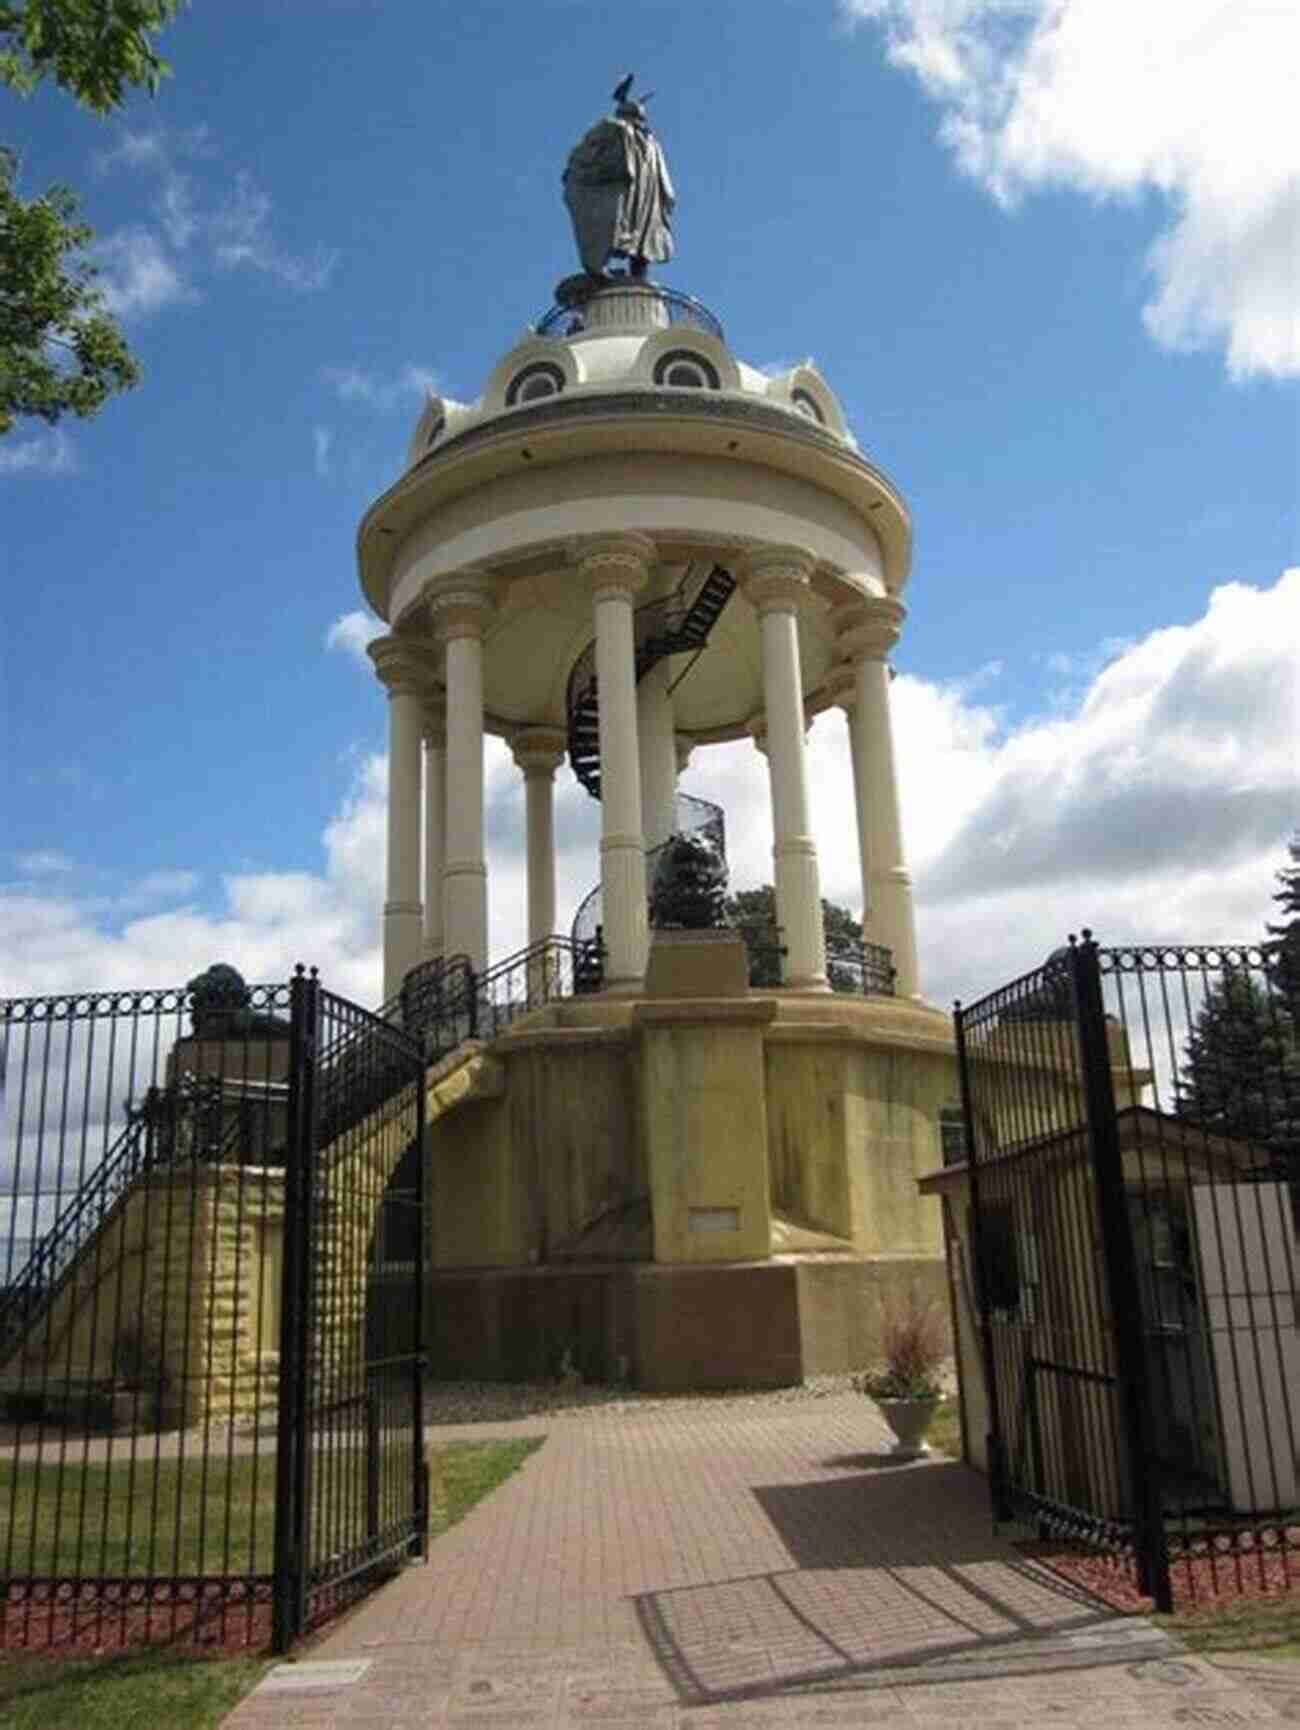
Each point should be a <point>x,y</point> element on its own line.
<point>616,563</point>
<point>867,630</point>
<point>460,604</point>
<point>841,687</point>
<point>776,578</point>
<point>538,750</point>
<point>402,666</point>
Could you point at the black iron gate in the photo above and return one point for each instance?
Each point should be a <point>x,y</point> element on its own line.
<point>1132,1122</point>
<point>351,1470</point>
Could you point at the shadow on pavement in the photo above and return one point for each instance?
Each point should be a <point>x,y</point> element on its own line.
<point>893,1571</point>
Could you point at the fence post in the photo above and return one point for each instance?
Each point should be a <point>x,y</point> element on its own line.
<point>293,1445</point>
<point>420,1464</point>
<point>1002,1509</point>
<point>1120,1264</point>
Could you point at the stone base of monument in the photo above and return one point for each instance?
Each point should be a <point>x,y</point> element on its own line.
<point>697,964</point>
<point>702,1187</point>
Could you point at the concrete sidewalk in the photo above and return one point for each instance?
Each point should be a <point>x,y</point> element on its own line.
<point>713,1562</point>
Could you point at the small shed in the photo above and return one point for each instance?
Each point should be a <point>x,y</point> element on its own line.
<point>1215,1245</point>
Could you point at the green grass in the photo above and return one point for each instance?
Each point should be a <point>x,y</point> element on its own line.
<point>128,1691</point>
<point>1269,1626</point>
<point>944,1433</point>
<point>142,1690</point>
<point>462,1473</point>
<point>107,1519</point>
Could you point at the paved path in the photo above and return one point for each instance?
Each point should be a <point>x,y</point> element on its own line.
<point>715,1563</point>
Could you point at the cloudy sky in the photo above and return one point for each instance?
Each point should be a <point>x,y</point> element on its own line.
<point>1047,252</point>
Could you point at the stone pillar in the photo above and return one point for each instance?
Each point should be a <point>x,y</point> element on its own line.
<point>617,568</point>
<point>435,822</point>
<point>460,611</point>
<point>684,747</point>
<point>868,631</point>
<point>539,751</point>
<point>775,579</point>
<point>658,756</point>
<point>402,671</point>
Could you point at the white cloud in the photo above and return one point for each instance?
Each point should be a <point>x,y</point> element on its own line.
<point>49,453</point>
<point>322,438</point>
<point>44,862</point>
<point>230,232</point>
<point>351,632</point>
<point>1157,809</point>
<point>354,384</point>
<point>137,277</point>
<point>241,231</point>
<point>1190,100</point>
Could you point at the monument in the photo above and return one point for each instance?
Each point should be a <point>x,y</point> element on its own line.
<point>618,191</point>
<point>632,546</point>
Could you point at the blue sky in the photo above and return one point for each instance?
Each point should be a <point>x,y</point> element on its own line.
<point>1046,255</point>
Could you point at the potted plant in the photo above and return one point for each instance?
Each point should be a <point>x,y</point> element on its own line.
<point>906,1385</point>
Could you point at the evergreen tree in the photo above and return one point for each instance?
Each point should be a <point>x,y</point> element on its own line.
<point>1241,1069</point>
<point>1282,951</point>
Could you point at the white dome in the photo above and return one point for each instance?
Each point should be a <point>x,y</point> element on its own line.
<point>633,336</point>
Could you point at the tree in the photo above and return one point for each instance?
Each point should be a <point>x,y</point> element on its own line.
<point>1241,1070</point>
<point>753,913</point>
<point>1282,951</point>
<point>60,350</point>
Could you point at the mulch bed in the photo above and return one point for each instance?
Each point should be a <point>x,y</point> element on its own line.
<point>1210,1575</point>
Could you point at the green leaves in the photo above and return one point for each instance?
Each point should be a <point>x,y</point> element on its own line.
<point>60,351</point>
<point>94,49</point>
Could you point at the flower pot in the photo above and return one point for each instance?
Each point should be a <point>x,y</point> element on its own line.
<point>909,1420</point>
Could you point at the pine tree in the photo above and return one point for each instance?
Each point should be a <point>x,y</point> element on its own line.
<point>1241,1069</point>
<point>1282,951</point>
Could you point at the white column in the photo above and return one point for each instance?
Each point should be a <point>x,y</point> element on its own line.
<point>435,819</point>
<point>400,668</point>
<point>539,751</point>
<point>460,612</point>
<point>617,568</point>
<point>775,581</point>
<point>658,756</point>
<point>868,632</point>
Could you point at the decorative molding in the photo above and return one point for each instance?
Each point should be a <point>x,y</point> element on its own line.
<point>616,564</point>
<point>403,667</point>
<point>538,750</point>
<point>868,629</point>
<point>776,579</point>
<point>459,604</point>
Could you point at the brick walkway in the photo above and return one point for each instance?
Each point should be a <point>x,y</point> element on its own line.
<point>707,1564</point>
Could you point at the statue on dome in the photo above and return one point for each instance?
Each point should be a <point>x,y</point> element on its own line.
<point>617,188</point>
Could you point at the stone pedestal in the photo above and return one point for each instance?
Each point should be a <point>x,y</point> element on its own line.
<point>703,1111</point>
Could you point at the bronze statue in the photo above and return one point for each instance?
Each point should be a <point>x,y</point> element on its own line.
<point>617,188</point>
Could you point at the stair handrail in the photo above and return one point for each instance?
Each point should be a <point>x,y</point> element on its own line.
<point>147,1140</point>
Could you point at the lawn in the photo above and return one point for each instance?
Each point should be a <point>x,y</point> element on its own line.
<point>1269,1626</point>
<point>140,1690</point>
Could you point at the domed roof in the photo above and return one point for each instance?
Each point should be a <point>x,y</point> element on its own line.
<point>623,335</point>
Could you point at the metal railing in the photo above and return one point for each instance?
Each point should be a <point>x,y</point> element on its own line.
<point>693,816</point>
<point>445,1002</point>
<point>156,1439</point>
<point>1132,1137</point>
<point>568,318</point>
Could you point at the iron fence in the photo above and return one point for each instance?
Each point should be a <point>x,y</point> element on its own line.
<point>1130,1128</point>
<point>148,1144</point>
